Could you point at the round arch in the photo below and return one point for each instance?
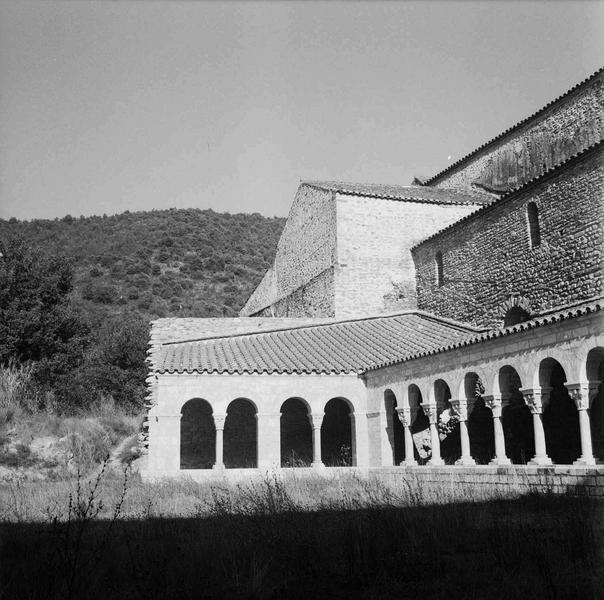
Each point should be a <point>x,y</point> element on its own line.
<point>197,435</point>
<point>448,424</point>
<point>560,416</point>
<point>240,435</point>
<point>394,428</point>
<point>296,433</point>
<point>336,433</point>
<point>480,419</point>
<point>594,370</point>
<point>420,425</point>
<point>516,416</point>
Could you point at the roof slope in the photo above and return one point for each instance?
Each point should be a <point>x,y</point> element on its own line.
<point>435,178</point>
<point>546,318</point>
<point>569,162</point>
<point>340,347</point>
<point>410,193</point>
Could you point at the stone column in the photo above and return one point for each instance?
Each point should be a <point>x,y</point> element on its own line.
<point>268,443</point>
<point>219,420</point>
<point>405,417</point>
<point>431,411</point>
<point>582,396</point>
<point>460,409</point>
<point>496,405</point>
<point>535,399</point>
<point>316,421</point>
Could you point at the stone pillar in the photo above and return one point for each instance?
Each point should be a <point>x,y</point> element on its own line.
<point>536,399</point>
<point>219,420</point>
<point>405,417</point>
<point>496,405</point>
<point>460,409</point>
<point>268,443</point>
<point>582,396</point>
<point>431,411</point>
<point>360,440</point>
<point>316,421</point>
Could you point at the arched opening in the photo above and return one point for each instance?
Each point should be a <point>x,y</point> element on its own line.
<point>560,416</point>
<point>516,418</point>
<point>395,428</point>
<point>532,220</point>
<point>595,372</point>
<point>448,424</point>
<point>420,426</point>
<point>296,434</point>
<point>240,435</point>
<point>336,434</point>
<point>515,315</point>
<point>480,421</point>
<point>438,267</point>
<point>197,435</point>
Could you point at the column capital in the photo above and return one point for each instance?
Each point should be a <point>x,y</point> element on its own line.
<point>219,420</point>
<point>431,411</point>
<point>536,398</point>
<point>582,393</point>
<point>404,416</point>
<point>460,408</point>
<point>495,403</point>
<point>316,420</point>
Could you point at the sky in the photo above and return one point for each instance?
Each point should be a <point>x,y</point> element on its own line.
<point>114,106</point>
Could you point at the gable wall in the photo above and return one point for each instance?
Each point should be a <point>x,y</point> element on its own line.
<point>374,237</point>
<point>305,253</point>
<point>488,257</point>
<point>564,129</point>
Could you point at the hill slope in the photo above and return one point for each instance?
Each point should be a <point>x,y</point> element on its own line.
<point>177,262</point>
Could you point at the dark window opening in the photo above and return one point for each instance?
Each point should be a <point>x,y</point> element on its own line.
<point>439,268</point>
<point>532,215</point>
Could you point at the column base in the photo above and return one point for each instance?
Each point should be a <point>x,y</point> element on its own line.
<point>408,463</point>
<point>465,462</point>
<point>500,461</point>
<point>317,465</point>
<point>219,467</point>
<point>436,462</point>
<point>585,461</point>
<point>540,461</point>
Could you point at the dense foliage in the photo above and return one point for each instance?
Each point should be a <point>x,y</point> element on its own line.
<point>77,295</point>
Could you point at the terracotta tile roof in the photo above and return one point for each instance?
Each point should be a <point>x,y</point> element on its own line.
<point>521,188</point>
<point>339,347</point>
<point>546,318</point>
<point>409,193</point>
<point>484,146</point>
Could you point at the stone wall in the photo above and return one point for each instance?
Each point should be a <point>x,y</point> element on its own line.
<point>375,271</point>
<point>562,129</point>
<point>314,299</point>
<point>305,250</point>
<point>488,257</point>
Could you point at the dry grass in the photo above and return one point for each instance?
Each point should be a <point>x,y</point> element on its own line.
<point>294,538</point>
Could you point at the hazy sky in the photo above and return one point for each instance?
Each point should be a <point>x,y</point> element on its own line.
<point>114,106</point>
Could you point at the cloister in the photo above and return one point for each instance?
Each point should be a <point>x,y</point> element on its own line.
<point>529,395</point>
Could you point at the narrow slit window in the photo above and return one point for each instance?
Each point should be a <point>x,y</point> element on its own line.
<point>532,216</point>
<point>438,260</point>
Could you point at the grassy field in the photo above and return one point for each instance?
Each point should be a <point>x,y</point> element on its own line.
<point>295,538</point>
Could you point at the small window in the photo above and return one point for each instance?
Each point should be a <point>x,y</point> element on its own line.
<point>515,315</point>
<point>438,260</point>
<point>532,217</point>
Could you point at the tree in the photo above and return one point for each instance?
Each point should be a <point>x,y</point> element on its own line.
<point>36,318</point>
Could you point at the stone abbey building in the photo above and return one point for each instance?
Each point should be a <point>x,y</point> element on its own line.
<point>454,321</point>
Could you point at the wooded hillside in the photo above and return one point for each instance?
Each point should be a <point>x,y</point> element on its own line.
<point>177,262</point>
<point>77,295</point>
